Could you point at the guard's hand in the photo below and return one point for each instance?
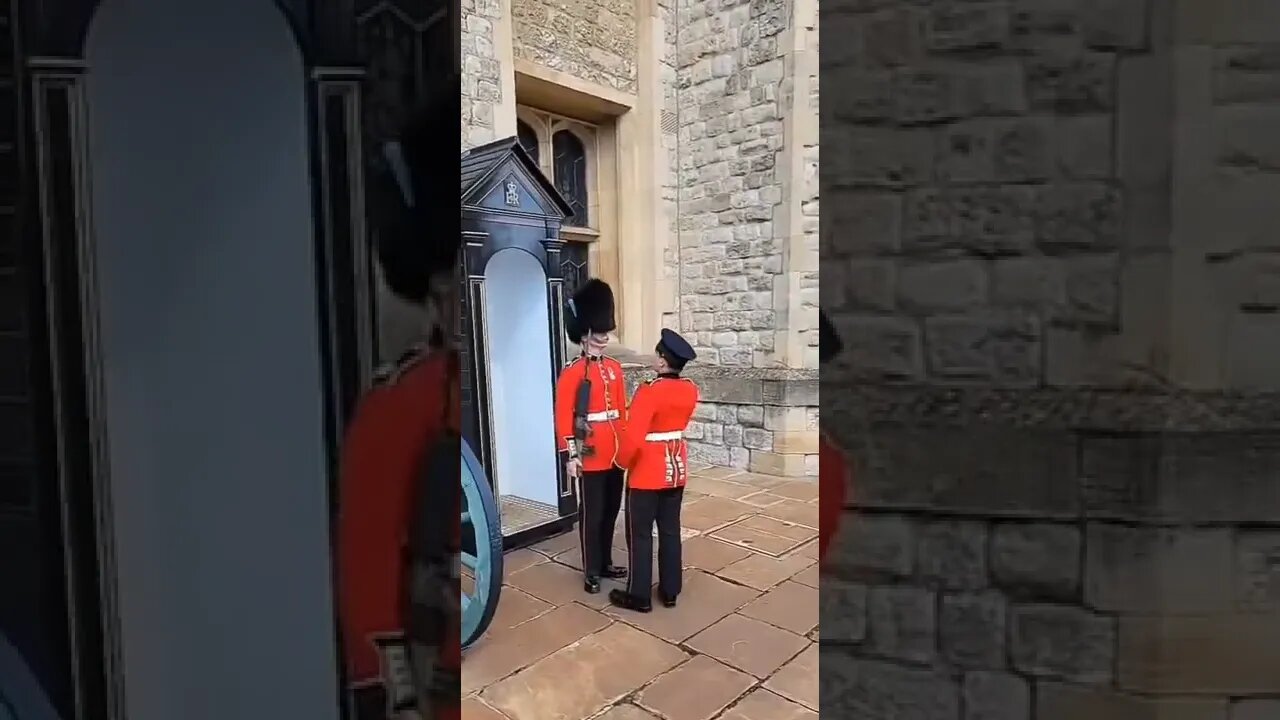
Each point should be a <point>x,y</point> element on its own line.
<point>574,469</point>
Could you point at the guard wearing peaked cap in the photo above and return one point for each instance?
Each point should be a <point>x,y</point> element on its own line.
<point>833,472</point>
<point>590,412</point>
<point>656,457</point>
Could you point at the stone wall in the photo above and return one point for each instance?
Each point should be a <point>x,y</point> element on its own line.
<point>1047,246</point>
<point>592,40</point>
<point>758,421</point>
<point>1103,576</point>
<point>730,114</point>
<point>980,200</point>
<point>1036,191</point>
<point>481,71</point>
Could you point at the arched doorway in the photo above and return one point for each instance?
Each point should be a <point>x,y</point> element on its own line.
<point>212,390</point>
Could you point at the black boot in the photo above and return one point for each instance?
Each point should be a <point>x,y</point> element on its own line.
<point>592,584</point>
<point>627,601</point>
<point>613,572</point>
<point>668,600</point>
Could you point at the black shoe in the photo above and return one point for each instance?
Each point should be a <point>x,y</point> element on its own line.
<point>627,601</point>
<point>668,600</point>
<point>592,585</point>
<point>613,572</point>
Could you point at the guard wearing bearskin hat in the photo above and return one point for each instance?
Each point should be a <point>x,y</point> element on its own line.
<point>832,470</point>
<point>590,415</point>
<point>398,527</point>
<point>656,457</point>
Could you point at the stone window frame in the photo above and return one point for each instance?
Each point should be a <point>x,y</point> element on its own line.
<point>545,124</point>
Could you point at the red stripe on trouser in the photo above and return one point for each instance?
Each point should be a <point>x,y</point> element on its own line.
<point>631,551</point>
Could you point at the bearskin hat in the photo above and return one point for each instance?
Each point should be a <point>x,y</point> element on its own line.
<point>590,311</point>
<point>829,344</point>
<point>415,215</point>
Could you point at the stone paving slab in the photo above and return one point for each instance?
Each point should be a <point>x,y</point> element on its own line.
<point>739,646</point>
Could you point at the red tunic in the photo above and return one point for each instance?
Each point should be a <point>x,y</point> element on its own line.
<point>654,451</point>
<point>383,459</point>
<point>606,411</point>
<point>832,476</point>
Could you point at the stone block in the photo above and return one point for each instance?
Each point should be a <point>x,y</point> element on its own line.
<point>771,463</point>
<point>1233,655</point>
<point>952,555</point>
<point>1115,24</point>
<point>874,547</point>
<point>785,419</point>
<point>1246,137</point>
<point>966,152</point>
<point>986,220</point>
<point>1021,150</point>
<point>1060,701</point>
<point>1072,84</point>
<point>1243,209</point>
<point>804,442</point>
<point>1156,570</point>
<point>894,37</point>
<point>970,26</point>
<point>751,415</point>
<point>1240,22</point>
<point>1036,476</point>
<point>1257,571</point>
<point>1084,147</point>
<point>879,346</point>
<point>996,696</point>
<point>868,285</point>
<point>857,222</point>
<point>1041,25</point>
<point>1093,289</point>
<point>972,630</point>
<point>708,454</point>
<point>793,392</point>
<point>884,157</point>
<point>951,285</point>
<point>994,150</point>
<point>757,439</point>
<point>1255,710</point>
<point>853,687</point>
<point>842,611</point>
<point>1037,560</point>
<point>1246,74</point>
<point>867,95</point>
<point>1078,216</point>
<point>924,95</point>
<point>903,623</point>
<point>956,347</point>
<point>1037,282</point>
<point>993,88</point>
<point>1058,641</point>
<point>1192,478</point>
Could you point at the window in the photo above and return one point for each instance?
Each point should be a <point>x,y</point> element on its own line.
<point>565,150</point>
<point>528,139</point>
<point>570,173</point>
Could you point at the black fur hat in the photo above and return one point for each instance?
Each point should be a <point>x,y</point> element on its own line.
<point>590,311</point>
<point>417,225</point>
<point>829,344</point>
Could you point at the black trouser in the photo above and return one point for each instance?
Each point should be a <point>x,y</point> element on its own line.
<point>599,501</point>
<point>644,508</point>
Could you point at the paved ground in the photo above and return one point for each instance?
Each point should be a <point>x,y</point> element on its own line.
<point>740,645</point>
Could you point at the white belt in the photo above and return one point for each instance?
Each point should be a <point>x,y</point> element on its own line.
<point>602,416</point>
<point>664,436</point>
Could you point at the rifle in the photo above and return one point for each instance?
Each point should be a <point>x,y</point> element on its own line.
<point>581,405</point>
